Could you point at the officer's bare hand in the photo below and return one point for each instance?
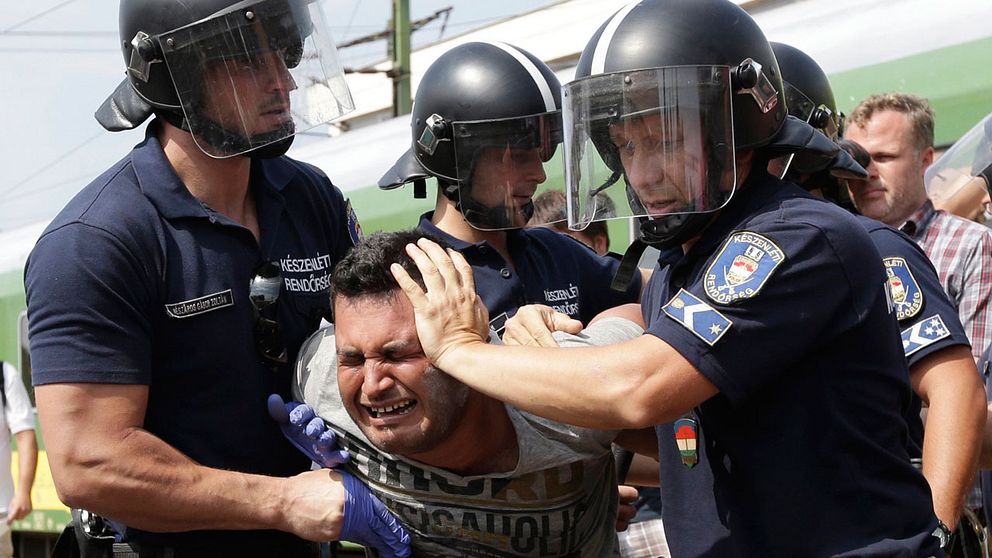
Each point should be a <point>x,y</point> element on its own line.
<point>449,314</point>
<point>533,325</point>
<point>315,509</point>
<point>327,505</point>
<point>626,511</point>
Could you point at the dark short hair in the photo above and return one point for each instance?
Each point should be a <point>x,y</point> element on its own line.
<point>550,211</point>
<point>365,270</point>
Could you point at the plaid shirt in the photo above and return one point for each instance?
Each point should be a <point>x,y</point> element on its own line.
<point>961,250</point>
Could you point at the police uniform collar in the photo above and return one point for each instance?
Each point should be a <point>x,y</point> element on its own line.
<point>162,186</point>
<point>159,181</point>
<point>514,237</point>
<point>757,189</point>
<point>428,227</point>
<point>277,172</point>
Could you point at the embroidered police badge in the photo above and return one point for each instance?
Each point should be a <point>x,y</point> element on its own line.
<point>741,268</point>
<point>697,316</point>
<point>907,297</point>
<point>354,227</point>
<point>923,333</point>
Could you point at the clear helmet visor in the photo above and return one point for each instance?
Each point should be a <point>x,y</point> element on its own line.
<point>658,142</point>
<point>958,181</point>
<point>255,74</point>
<point>501,165</point>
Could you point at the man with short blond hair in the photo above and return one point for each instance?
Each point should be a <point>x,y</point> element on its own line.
<point>897,130</point>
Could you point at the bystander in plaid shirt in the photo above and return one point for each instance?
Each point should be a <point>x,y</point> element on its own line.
<point>961,250</point>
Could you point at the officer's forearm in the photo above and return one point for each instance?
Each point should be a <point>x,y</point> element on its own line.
<point>634,384</point>
<point>102,460</point>
<point>948,381</point>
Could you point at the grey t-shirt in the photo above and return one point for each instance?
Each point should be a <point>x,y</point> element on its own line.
<point>560,500</point>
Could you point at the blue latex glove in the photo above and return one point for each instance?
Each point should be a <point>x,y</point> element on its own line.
<point>305,430</point>
<point>368,522</point>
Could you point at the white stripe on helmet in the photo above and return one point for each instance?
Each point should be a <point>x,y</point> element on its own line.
<point>603,45</point>
<point>542,83</point>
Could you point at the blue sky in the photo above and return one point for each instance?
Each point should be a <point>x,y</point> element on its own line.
<point>59,60</point>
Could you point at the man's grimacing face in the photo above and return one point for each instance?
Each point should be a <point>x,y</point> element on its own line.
<point>402,404</point>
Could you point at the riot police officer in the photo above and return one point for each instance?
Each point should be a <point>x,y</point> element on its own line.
<point>940,364</point>
<point>766,313</point>
<point>487,125</point>
<point>168,298</point>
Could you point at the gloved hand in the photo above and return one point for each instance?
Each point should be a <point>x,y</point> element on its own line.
<point>305,430</point>
<point>368,522</point>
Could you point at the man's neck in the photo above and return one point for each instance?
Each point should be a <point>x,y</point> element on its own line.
<point>898,221</point>
<point>221,184</point>
<point>450,220</point>
<point>483,442</point>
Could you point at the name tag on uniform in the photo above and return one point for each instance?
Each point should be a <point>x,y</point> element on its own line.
<point>697,316</point>
<point>925,332</point>
<point>201,305</point>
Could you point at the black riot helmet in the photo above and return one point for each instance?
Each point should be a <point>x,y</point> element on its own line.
<point>807,90</point>
<point>811,99</point>
<point>666,91</point>
<point>240,76</point>
<point>486,122</point>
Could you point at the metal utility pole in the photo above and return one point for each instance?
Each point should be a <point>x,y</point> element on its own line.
<point>402,95</point>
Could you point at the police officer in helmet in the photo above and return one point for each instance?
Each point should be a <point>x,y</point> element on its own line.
<point>167,299</point>
<point>940,364</point>
<point>767,319</point>
<point>486,124</point>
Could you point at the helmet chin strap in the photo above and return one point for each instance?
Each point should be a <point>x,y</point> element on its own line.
<point>271,144</point>
<point>493,218</point>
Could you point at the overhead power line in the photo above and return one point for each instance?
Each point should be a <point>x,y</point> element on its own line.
<point>414,26</point>
<point>6,194</point>
<point>37,16</point>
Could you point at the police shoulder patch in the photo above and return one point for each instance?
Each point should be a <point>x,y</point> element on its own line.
<point>354,227</point>
<point>697,316</point>
<point>923,333</point>
<point>907,297</point>
<point>741,268</point>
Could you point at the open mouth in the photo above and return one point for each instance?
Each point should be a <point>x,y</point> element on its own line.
<point>662,207</point>
<point>394,410</point>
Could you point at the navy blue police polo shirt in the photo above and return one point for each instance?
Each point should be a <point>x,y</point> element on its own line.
<point>806,441</point>
<point>138,282</point>
<point>548,268</point>
<point>929,324</point>
<point>928,321</point>
<point>985,476</point>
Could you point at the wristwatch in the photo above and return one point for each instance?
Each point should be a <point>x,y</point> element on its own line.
<point>944,535</point>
